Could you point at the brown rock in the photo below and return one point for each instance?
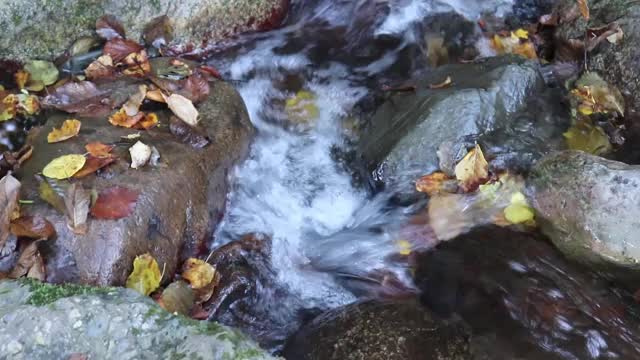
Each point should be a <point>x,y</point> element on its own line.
<point>180,200</point>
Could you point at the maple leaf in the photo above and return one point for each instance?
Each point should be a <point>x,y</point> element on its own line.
<point>115,203</point>
<point>69,129</point>
<point>145,277</point>
<point>472,170</point>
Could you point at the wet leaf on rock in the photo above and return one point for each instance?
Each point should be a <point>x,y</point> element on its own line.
<point>94,164</point>
<point>198,272</point>
<point>148,121</point>
<point>188,134</point>
<point>77,201</point>
<point>64,167</point>
<point>115,203</point>
<point>137,64</point>
<point>145,277</point>
<point>34,227</point>
<point>182,108</point>
<point>101,68</point>
<point>52,191</point>
<point>594,95</point>
<point>140,154</point>
<point>108,27</point>
<point>26,260</point>
<point>69,129</point>
<point>434,183</point>
<point>120,118</point>
<point>472,170</point>
<point>177,298</point>
<point>22,78</point>
<point>98,149</point>
<point>9,193</point>
<point>42,71</point>
<point>587,137</point>
<point>119,48</point>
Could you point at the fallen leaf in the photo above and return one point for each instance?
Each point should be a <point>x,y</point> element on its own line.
<point>446,83</point>
<point>433,183</point>
<point>198,272</point>
<point>587,137</point>
<point>9,194</point>
<point>119,48</point>
<point>211,72</point>
<point>94,164</point>
<point>22,78</point>
<point>120,118</point>
<point>472,170</point>
<point>519,211</point>
<point>447,216</point>
<point>43,71</point>
<point>77,201</point>
<point>34,227</point>
<point>83,45</point>
<point>28,104</point>
<point>37,270</point>
<point>140,154</point>
<point>69,129</point>
<point>145,277</point>
<point>155,95</point>
<point>183,108</point>
<point>158,32</point>
<point>177,298</point>
<point>521,34</point>
<point>137,64</point>
<point>584,8</point>
<point>594,95</point>
<point>188,134</point>
<point>205,293</point>
<point>78,97</point>
<point>52,191</point>
<point>115,203</point>
<point>148,121</point>
<point>132,106</point>
<point>101,68</point>
<point>26,260</point>
<point>404,247</point>
<point>513,44</point>
<point>108,27</point>
<point>98,149</point>
<point>302,108</point>
<point>64,167</point>
<point>195,88</point>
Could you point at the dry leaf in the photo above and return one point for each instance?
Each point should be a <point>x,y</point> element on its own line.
<point>115,203</point>
<point>198,273</point>
<point>101,68</point>
<point>98,149</point>
<point>26,260</point>
<point>140,154</point>
<point>137,64</point>
<point>446,83</point>
<point>37,270</point>
<point>64,167</point>
<point>584,8</point>
<point>156,95</point>
<point>69,129</point>
<point>145,277</point>
<point>34,227</point>
<point>119,48</point>
<point>9,193</point>
<point>148,121</point>
<point>433,183</point>
<point>183,108</point>
<point>77,201</point>
<point>472,170</point>
<point>132,106</point>
<point>94,164</point>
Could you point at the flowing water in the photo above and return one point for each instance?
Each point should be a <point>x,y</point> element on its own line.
<point>333,239</point>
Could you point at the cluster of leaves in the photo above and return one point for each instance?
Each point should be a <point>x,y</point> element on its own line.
<point>20,99</point>
<point>196,286</point>
<point>514,42</point>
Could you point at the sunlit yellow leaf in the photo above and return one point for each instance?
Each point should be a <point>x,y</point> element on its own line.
<point>145,277</point>
<point>522,34</point>
<point>518,211</point>
<point>198,273</point>
<point>69,129</point>
<point>64,167</point>
<point>404,247</point>
<point>472,170</point>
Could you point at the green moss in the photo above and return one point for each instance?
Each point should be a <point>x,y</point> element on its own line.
<point>43,293</point>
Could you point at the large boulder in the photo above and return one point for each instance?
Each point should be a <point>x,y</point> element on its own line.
<point>180,200</point>
<point>379,331</point>
<point>45,29</point>
<point>501,102</point>
<point>42,321</point>
<point>589,208</point>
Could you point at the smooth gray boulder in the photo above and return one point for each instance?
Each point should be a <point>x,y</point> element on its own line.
<point>502,103</point>
<point>589,208</point>
<point>44,29</point>
<point>40,321</point>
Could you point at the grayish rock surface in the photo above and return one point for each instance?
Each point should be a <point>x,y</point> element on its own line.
<point>111,323</point>
<point>589,208</point>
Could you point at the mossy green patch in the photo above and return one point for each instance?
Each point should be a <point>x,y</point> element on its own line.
<point>43,293</point>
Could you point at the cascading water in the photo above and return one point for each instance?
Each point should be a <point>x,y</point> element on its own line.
<point>329,235</point>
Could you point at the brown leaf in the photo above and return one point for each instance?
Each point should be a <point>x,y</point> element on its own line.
<point>98,149</point>
<point>584,8</point>
<point>37,270</point>
<point>472,170</point>
<point>182,108</point>
<point>94,164</point>
<point>34,227</point>
<point>26,260</point>
<point>21,78</point>
<point>115,203</point>
<point>119,48</point>
<point>147,122</point>
<point>120,118</point>
<point>188,134</point>
<point>447,216</point>
<point>433,183</point>
<point>101,68</point>
<point>9,193</point>
<point>108,27</point>
<point>158,32</point>
<point>211,71</point>
<point>137,64</point>
<point>132,106</point>
<point>69,129</point>
<point>195,88</point>
<point>77,201</point>
<point>81,97</point>
<point>446,83</point>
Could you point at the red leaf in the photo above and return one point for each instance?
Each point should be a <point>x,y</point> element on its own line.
<point>108,27</point>
<point>115,203</point>
<point>118,48</point>
<point>35,227</point>
<point>94,164</point>
<point>210,70</point>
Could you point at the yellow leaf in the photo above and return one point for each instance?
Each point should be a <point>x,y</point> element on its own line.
<point>518,211</point>
<point>182,108</point>
<point>584,8</point>
<point>588,138</point>
<point>145,277</point>
<point>302,108</point>
<point>69,129</point>
<point>198,273</point>
<point>472,170</point>
<point>64,167</point>
<point>404,247</point>
<point>522,34</point>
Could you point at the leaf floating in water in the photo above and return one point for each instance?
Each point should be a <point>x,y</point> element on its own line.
<point>472,170</point>
<point>178,298</point>
<point>404,247</point>
<point>519,211</point>
<point>69,129</point>
<point>302,108</point>
<point>145,277</point>
<point>115,203</point>
<point>64,167</point>
<point>198,273</point>
<point>588,138</point>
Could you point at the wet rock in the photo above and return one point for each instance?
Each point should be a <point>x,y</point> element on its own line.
<point>502,103</point>
<point>523,299</point>
<point>375,331</point>
<point>180,200</point>
<point>588,206</point>
<point>45,29</point>
<point>617,63</point>
<point>51,322</point>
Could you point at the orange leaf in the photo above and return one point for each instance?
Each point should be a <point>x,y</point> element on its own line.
<point>432,183</point>
<point>22,78</point>
<point>98,149</point>
<point>35,227</point>
<point>120,118</point>
<point>584,8</point>
<point>149,121</point>
<point>94,164</point>
<point>69,129</point>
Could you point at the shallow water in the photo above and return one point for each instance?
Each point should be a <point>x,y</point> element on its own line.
<point>333,240</point>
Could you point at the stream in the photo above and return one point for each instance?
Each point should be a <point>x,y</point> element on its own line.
<point>333,237</point>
